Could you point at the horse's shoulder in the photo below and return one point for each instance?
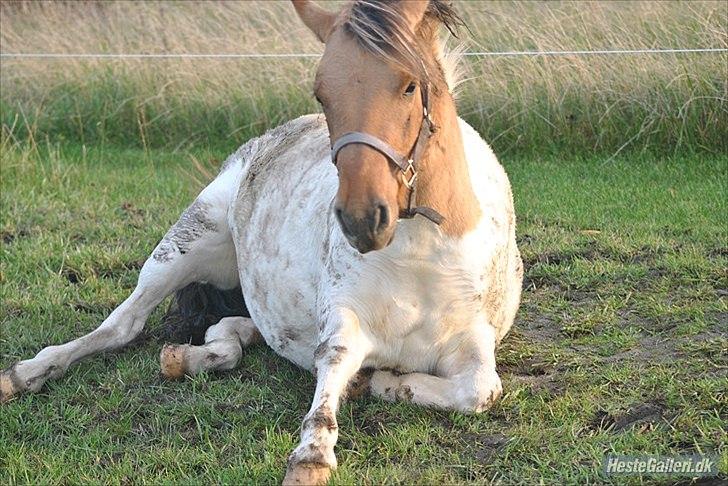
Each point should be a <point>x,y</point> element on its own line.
<point>487,176</point>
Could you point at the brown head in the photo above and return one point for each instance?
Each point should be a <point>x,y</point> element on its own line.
<point>378,56</point>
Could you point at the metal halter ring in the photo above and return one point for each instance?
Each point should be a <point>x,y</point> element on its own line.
<point>410,167</point>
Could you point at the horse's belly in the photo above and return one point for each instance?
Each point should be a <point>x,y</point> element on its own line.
<point>279,222</point>
<point>283,313</point>
<point>279,270</point>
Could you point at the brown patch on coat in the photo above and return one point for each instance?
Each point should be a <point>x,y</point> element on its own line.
<point>290,334</point>
<point>286,337</point>
<point>321,350</point>
<point>323,417</point>
<point>336,354</point>
<point>404,393</point>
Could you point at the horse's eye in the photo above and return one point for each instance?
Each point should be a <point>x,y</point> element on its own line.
<point>410,89</point>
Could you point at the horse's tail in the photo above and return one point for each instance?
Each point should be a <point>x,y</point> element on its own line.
<point>197,307</point>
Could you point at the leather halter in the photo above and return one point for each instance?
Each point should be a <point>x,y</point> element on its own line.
<point>406,164</point>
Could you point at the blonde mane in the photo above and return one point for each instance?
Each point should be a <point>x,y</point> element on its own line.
<point>380,29</point>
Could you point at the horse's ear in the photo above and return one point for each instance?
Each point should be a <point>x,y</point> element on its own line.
<point>413,11</point>
<point>320,21</point>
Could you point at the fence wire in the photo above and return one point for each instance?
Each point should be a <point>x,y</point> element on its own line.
<point>48,55</point>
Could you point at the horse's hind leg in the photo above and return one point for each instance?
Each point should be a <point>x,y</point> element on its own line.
<point>197,248</point>
<point>223,348</point>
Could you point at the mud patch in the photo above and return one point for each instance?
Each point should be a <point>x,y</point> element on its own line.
<point>8,237</point>
<point>481,446</point>
<point>113,271</point>
<point>191,226</point>
<point>536,375</point>
<point>592,251</point>
<point>130,210</point>
<point>537,328</point>
<point>375,424</point>
<point>90,308</point>
<point>71,275</point>
<point>644,415</point>
<point>486,447</point>
<point>120,270</point>
<point>654,349</point>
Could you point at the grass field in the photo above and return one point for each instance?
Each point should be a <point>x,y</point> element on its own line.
<point>620,345</point>
<point>619,168</point>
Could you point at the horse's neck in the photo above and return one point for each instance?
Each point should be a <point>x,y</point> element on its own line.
<point>444,180</point>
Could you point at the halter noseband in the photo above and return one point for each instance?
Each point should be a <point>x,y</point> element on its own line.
<point>406,164</point>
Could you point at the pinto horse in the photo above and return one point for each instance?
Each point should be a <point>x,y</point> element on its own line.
<point>396,265</point>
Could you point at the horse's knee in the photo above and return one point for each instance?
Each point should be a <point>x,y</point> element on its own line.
<point>480,397</point>
<point>384,384</point>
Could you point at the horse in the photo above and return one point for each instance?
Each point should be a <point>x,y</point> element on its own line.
<point>374,244</point>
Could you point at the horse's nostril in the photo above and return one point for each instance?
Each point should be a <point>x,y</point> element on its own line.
<point>374,219</point>
<point>379,219</point>
<point>340,217</point>
<point>383,217</point>
<point>369,228</point>
<point>347,225</point>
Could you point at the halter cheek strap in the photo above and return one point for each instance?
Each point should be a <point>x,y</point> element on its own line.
<point>406,164</point>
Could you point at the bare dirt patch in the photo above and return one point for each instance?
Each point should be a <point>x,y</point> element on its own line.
<point>8,237</point>
<point>644,415</point>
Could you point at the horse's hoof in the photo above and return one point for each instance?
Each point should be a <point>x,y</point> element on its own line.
<point>172,360</point>
<point>306,474</point>
<point>7,387</point>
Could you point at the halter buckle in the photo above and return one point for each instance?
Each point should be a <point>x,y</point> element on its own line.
<point>410,168</point>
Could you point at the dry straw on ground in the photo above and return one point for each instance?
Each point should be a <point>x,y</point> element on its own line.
<point>663,102</point>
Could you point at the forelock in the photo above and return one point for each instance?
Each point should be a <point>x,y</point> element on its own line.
<point>379,28</point>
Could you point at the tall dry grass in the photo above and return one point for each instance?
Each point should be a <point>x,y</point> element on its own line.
<point>660,103</point>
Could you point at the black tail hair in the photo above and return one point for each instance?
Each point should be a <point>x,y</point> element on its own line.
<point>197,307</point>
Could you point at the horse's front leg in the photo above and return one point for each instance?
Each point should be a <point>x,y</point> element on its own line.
<point>338,357</point>
<point>467,380</point>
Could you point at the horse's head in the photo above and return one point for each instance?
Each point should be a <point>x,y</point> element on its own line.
<point>379,56</point>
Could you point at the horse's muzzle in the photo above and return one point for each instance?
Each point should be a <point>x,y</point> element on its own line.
<point>370,230</point>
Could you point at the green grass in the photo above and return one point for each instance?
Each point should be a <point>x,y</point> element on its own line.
<point>619,347</point>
